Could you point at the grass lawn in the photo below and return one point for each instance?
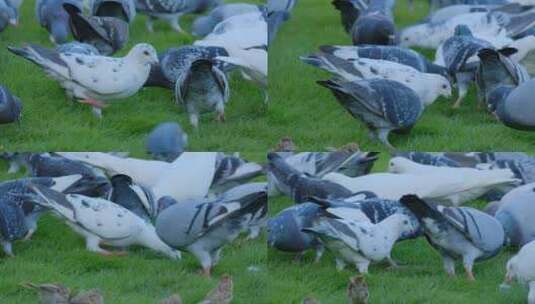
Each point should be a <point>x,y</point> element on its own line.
<point>51,122</point>
<point>311,115</point>
<point>420,279</point>
<point>57,254</point>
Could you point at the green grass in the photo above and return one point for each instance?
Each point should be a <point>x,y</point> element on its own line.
<point>51,122</point>
<point>57,254</point>
<point>310,114</point>
<point>420,279</point>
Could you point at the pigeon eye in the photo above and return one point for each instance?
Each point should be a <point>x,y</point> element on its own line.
<point>146,53</point>
<point>444,86</point>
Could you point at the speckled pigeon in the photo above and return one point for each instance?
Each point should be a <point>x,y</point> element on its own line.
<point>10,106</point>
<point>383,105</point>
<point>458,233</point>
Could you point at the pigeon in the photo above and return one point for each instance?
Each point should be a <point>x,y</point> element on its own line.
<point>232,171</point>
<point>53,17</point>
<point>359,242</point>
<point>515,213</point>
<point>9,15</point>
<point>10,106</point>
<point>472,159</point>
<point>203,88</point>
<point>375,24</point>
<point>285,147</point>
<point>383,105</point>
<point>429,159</point>
<point>349,12</point>
<point>495,27</point>
<point>77,48</point>
<point>392,53</point>
<point>428,87</point>
<point>285,230</point>
<point>365,207</point>
<point>189,177</point>
<point>299,186</point>
<point>525,54</point>
<point>524,169</point>
<point>166,142</point>
<point>94,79</point>
<point>12,225</point>
<point>448,12</point>
<point>138,200</point>
<point>120,9</point>
<point>496,71</point>
<point>259,218</point>
<point>444,189</point>
<point>99,220</point>
<point>458,233</point>
<point>177,61</point>
<point>174,299</point>
<point>15,159</point>
<point>357,290</point>
<point>107,34</point>
<point>202,227</point>
<point>485,180</point>
<point>41,165</point>
<point>521,268</point>
<point>88,297</point>
<point>222,293</point>
<point>51,293</point>
<point>456,52</point>
<point>204,25</point>
<point>516,109</point>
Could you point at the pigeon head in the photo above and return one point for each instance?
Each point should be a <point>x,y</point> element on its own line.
<point>443,85</point>
<point>401,165</point>
<point>144,54</point>
<point>412,35</point>
<point>462,30</point>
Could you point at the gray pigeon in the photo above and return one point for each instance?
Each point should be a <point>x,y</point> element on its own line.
<point>176,61</point>
<point>12,225</point>
<point>107,34</point>
<point>383,105</point>
<point>456,51</point>
<point>517,109</point>
<point>393,53</point>
<point>349,11</point>
<point>202,88</point>
<point>166,142</point>
<point>458,233</point>
<point>524,169</point>
<point>204,227</point>
<point>121,9</point>
<point>10,106</point>
<point>516,213</point>
<point>53,17</point>
<point>77,48</point>
<point>133,197</point>
<point>285,230</point>
<point>299,186</point>
<point>204,25</point>
<point>9,15</point>
<point>496,72</point>
<point>425,158</point>
<point>232,171</point>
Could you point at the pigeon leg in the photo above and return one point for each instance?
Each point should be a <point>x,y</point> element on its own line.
<point>51,38</point>
<point>392,263</point>
<point>7,247</point>
<point>319,253</point>
<point>28,235</point>
<point>174,21</point>
<point>340,264</point>
<point>14,167</point>
<point>299,257</point>
<point>216,256</point>
<point>150,24</point>
<point>254,232</point>
<point>363,266</point>
<point>462,87</point>
<point>93,244</point>
<point>204,258</point>
<point>194,120</point>
<point>449,265</point>
<point>266,96</point>
<point>382,136</point>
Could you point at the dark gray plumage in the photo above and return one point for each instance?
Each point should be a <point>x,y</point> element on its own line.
<point>133,197</point>
<point>53,17</point>
<point>349,12</point>
<point>176,61</point>
<point>232,171</point>
<point>121,9</point>
<point>517,110</point>
<point>383,105</point>
<point>204,25</point>
<point>392,53</point>
<point>204,227</point>
<point>12,225</point>
<point>166,141</point>
<point>429,159</point>
<point>298,186</point>
<point>77,48</point>
<point>203,88</point>
<point>458,232</point>
<point>496,70</point>
<point>106,34</point>
<point>10,106</point>
<point>516,213</point>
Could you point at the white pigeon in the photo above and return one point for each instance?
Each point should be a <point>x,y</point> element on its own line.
<point>439,188</point>
<point>101,221</point>
<point>94,79</point>
<point>360,242</point>
<point>521,268</point>
<point>432,35</point>
<point>426,85</point>
<point>187,178</point>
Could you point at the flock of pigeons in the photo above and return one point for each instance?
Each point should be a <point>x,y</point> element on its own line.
<point>380,81</point>
<point>231,37</point>
<point>360,216</point>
